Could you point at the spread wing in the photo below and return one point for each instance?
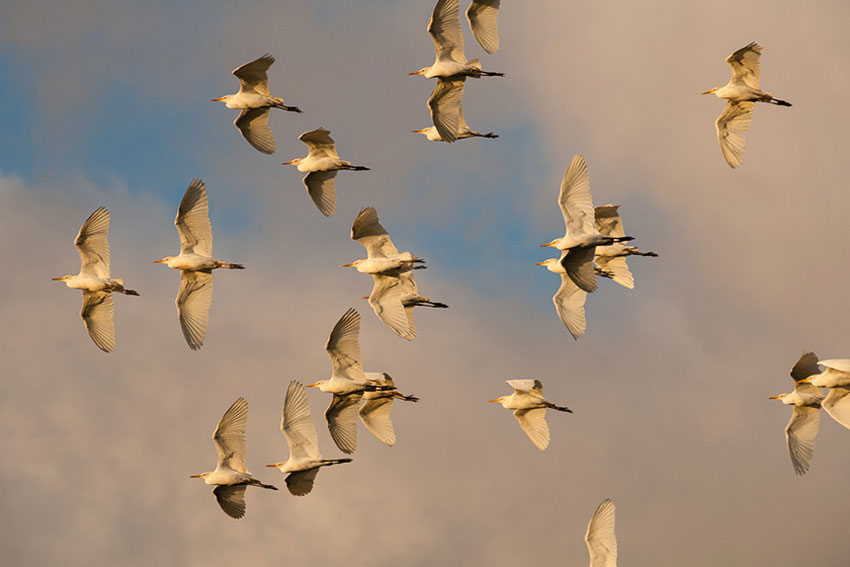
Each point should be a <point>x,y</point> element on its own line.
<point>483,21</point>
<point>527,386</point>
<point>253,76</point>
<point>341,416</point>
<point>375,414</point>
<point>618,269</point>
<point>231,499</point>
<point>805,366</point>
<point>319,143</point>
<point>569,303</point>
<point>385,300</point>
<point>297,424</point>
<point>229,437</point>
<point>800,434</point>
<point>193,221</point>
<point>533,422</point>
<point>608,220</point>
<point>731,126</point>
<point>254,125</point>
<point>92,243</point>
<point>837,405</point>
<point>368,231</point>
<point>193,306</point>
<point>343,346</point>
<point>97,314</point>
<point>600,538</point>
<point>322,189</point>
<point>300,483</point>
<point>745,65</point>
<point>445,31</point>
<point>444,104</point>
<point>578,263</point>
<point>574,198</point>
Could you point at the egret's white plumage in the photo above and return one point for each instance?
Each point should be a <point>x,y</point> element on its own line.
<point>803,426</point>
<point>446,33</point>
<point>255,100</point>
<point>322,163</point>
<point>97,285</point>
<point>611,259</point>
<point>569,300</point>
<point>377,405</point>
<point>231,474</point>
<point>304,460</point>
<point>483,18</point>
<point>600,538</point>
<point>195,263</point>
<point>446,107</point>
<point>836,377</point>
<point>741,93</point>
<point>530,409</point>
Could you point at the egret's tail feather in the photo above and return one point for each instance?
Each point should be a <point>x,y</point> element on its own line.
<point>653,254</point>
<point>356,168</point>
<point>558,408</point>
<point>129,292</point>
<point>327,462</point>
<point>399,396</point>
<point>230,266</point>
<point>489,135</point>
<point>623,238</point>
<point>780,102</point>
<point>261,485</point>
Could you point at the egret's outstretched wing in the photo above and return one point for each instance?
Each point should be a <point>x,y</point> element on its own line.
<point>533,422</point>
<point>97,314</point>
<point>600,538</point>
<point>319,143</point>
<point>253,76</point>
<point>367,230</point>
<point>839,364</point>
<point>92,243</point>
<point>526,386</point>
<point>608,220</point>
<point>231,499</point>
<point>745,65</point>
<point>385,300</point>
<point>731,126</point>
<point>229,437</point>
<point>805,366</point>
<point>300,483</point>
<point>193,306</point>
<point>569,303</point>
<point>800,434</point>
<point>445,31</point>
<point>193,221</point>
<point>578,263</point>
<point>444,104</point>
<point>254,125</point>
<point>297,424</point>
<point>322,189</point>
<point>343,346</point>
<point>375,414</point>
<point>483,21</point>
<point>837,405</point>
<point>618,269</point>
<point>341,416</point>
<point>574,198</point>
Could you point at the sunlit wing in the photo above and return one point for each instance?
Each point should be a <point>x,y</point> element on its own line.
<point>618,268</point>
<point>322,189</point>
<point>444,104</point>
<point>575,200</point>
<point>254,125</point>
<point>341,416</point>
<point>527,386</point>
<point>367,230</point>
<point>569,303</point>
<point>375,414</point>
<point>445,31</point>
<point>229,437</point>
<point>385,301</point>
<point>800,434</point>
<point>578,263</point>
<point>193,220</point>
<point>343,346</point>
<point>231,499</point>
<point>483,21</point>
<point>98,315</point>
<point>533,422</point>
<point>297,423</point>
<point>839,364</point>
<point>608,220</point>
<point>837,405</point>
<point>193,306</point>
<point>731,126</point>
<point>600,538</point>
<point>253,76</point>
<point>300,483</point>
<point>319,143</point>
<point>92,243</point>
<point>745,65</point>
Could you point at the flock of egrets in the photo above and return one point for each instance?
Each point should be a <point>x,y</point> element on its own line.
<point>594,244</point>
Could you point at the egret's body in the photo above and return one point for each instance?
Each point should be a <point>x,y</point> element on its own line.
<point>803,426</point>
<point>195,263</point>
<point>836,377</point>
<point>482,16</point>
<point>255,100</point>
<point>231,475</point>
<point>741,93</point>
<point>600,538</point>
<point>450,62</point>
<point>321,164</point>
<point>97,285</point>
<point>611,258</point>
<point>445,106</point>
<point>377,405</point>
<point>530,409</point>
<point>569,300</point>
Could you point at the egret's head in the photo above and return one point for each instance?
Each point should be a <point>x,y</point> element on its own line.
<point>420,71</point>
<point>354,264</point>
<point>295,161</point>
<point>202,475</point>
<point>709,92</point>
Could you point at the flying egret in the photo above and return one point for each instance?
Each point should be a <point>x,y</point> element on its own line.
<point>386,264</point>
<point>805,419</point>
<point>741,93</point>
<point>347,382</point>
<point>304,459</point>
<point>530,409</point>
<point>445,106</point>
<point>447,36</point>
<point>482,16</point>
<point>92,243</point>
<point>322,163</point>
<point>195,263</point>
<point>569,299</point>
<point>836,377</point>
<point>581,237</point>
<point>611,259</point>
<point>255,100</point>
<point>600,539</point>
<point>377,405</point>
<point>231,475</point>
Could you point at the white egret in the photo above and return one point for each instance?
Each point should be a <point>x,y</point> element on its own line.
<point>97,285</point>
<point>304,459</point>
<point>611,259</point>
<point>741,93</point>
<point>600,539</point>
<point>530,409</point>
<point>581,237</point>
<point>445,106</point>
<point>377,405</point>
<point>322,163</point>
<point>347,382</point>
<point>195,263</point>
<point>447,36</point>
<point>255,100</point>
<point>569,300</point>
<point>836,377</point>
<point>482,16</point>
<point>231,475</point>
<point>803,427</point>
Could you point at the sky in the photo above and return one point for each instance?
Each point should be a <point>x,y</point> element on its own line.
<point>107,104</point>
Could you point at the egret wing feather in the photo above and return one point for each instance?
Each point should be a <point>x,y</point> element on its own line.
<point>98,316</point>
<point>254,125</point>
<point>806,366</point>
<point>319,143</point>
<point>578,263</point>
<point>92,243</point>
<point>300,483</point>
<point>193,220</point>
<point>745,65</point>
<point>837,405</point>
<point>618,268</point>
<point>444,104</point>
<point>231,499</point>
<point>343,346</point>
<point>375,414</point>
<point>193,306</point>
<point>341,416</point>
<point>608,220</point>
<point>600,538</point>
<point>253,76</point>
<point>569,303</point>
<point>322,189</point>
<point>527,386</point>
<point>575,200</point>
<point>297,423</point>
<point>367,230</point>
<point>840,364</point>
<point>732,125</point>
<point>533,422</point>
<point>385,301</point>
<point>446,32</point>
<point>229,437</point>
<point>800,434</point>
<point>482,16</point>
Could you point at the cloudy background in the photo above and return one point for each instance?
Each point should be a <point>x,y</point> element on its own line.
<point>106,103</point>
